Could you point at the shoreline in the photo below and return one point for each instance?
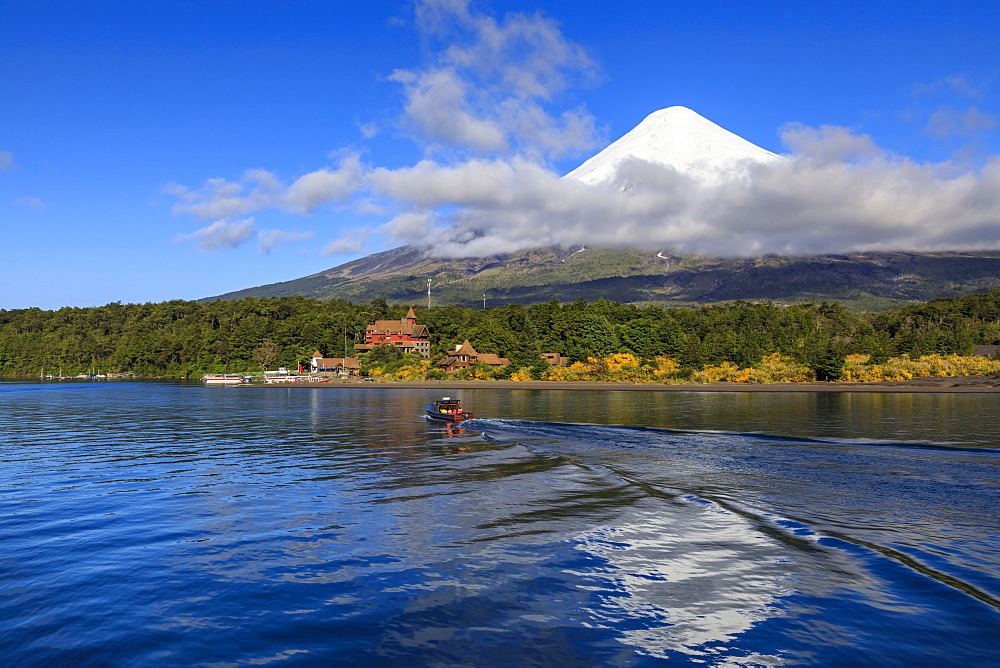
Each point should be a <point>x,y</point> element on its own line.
<point>934,384</point>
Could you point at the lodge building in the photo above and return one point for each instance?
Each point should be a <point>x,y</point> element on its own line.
<point>404,334</point>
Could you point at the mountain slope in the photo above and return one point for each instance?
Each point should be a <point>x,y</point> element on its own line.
<point>864,281</point>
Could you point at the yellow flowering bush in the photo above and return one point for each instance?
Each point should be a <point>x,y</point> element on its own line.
<point>478,372</point>
<point>573,372</point>
<point>412,371</point>
<point>778,368</point>
<point>773,368</point>
<point>715,373</point>
<point>622,362</point>
<point>521,374</point>
<point>663,367</point>
<point>621,367</point>
<point>905,368</point>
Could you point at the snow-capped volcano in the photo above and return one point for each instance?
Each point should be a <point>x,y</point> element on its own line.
<point>679,138</point>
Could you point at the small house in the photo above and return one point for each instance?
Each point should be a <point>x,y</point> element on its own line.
<point>342,366</point>
<point>555,359</point>
<point>465,356</point>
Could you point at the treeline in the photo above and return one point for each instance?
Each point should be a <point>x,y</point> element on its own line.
<point>187,339</point>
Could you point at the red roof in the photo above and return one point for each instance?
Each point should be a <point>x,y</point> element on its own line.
<point>386,327</point>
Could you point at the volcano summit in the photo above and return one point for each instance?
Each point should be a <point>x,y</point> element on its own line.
<point>678,138</point>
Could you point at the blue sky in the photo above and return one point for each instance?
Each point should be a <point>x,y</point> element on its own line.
<point>154,151</point>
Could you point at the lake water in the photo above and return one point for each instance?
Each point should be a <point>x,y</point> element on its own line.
<point>156,523</point>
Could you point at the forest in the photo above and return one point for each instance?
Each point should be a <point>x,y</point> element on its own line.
<point>185,339</point>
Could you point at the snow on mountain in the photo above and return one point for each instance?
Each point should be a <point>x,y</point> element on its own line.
<point>676,137</point>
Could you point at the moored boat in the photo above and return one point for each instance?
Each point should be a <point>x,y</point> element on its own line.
<point>222,379</point>
<point>447,409</point>
<point>282,376</point>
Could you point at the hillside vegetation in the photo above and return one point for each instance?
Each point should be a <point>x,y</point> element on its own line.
<point>185,339</point>
<point>861,282</point>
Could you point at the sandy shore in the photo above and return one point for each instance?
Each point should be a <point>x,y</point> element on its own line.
<point>957,384</point>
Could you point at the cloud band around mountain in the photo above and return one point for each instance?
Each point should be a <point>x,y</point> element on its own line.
<point>806,204</point>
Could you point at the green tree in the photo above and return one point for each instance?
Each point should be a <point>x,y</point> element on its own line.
<point>829,365</point>
<point>385,353</point>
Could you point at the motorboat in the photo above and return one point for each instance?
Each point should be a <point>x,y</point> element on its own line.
<point>447,409</point>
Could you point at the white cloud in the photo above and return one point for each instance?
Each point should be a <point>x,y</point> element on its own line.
<point>268,240</point>
<point>942,107</point>
<point>947,122</point>
<point>810,203</point>
<point>259,189</point>
<point>6,161</point>
<point>439,108</point>
<point>430,185</point>
<point>409,226</point>
<point>490,85</point>
<point>312,190</point>
<point>220,234</point>
<point>956,83</point>
<point>351,243</point>
<point>827,144</point>
<point>223,234</point>
<point>220,198</point>
<point>32,202</point>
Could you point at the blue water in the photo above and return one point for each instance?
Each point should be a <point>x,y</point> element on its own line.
<point>154,523</point>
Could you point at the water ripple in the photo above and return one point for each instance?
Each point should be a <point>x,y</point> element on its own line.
<point>157,523</point>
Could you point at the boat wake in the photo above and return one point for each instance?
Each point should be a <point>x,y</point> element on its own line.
<point>728,529</point>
